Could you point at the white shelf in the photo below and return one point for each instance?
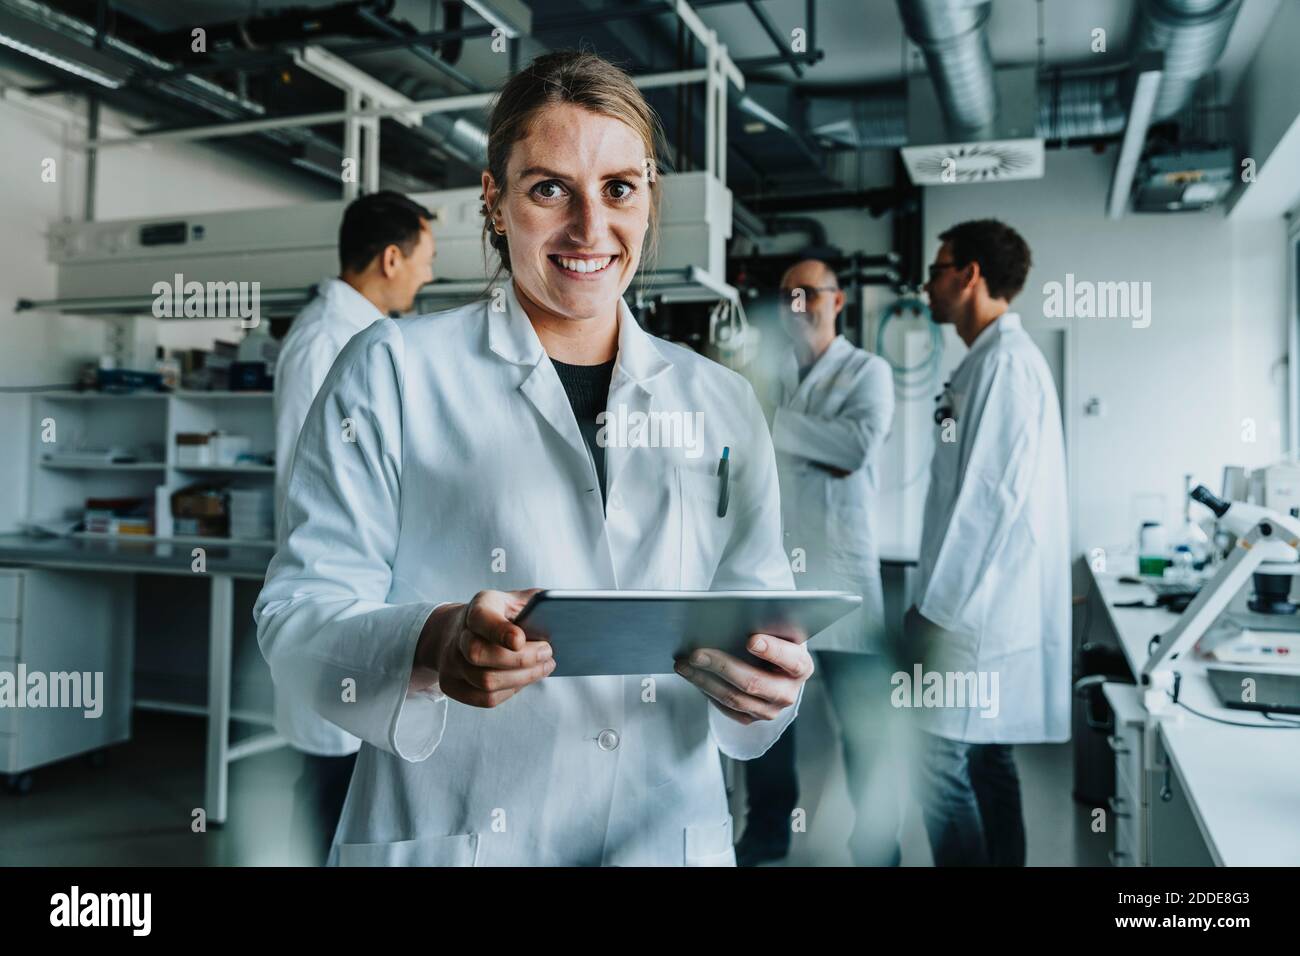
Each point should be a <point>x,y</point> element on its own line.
<point>91,396</point>
<point>175,539</point>
<point>223,395</point>
<point>230,469</point>
<point>105,466</point>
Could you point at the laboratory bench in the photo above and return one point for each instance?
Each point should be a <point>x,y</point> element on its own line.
<point>67,605</point>
<point>1191,790</point>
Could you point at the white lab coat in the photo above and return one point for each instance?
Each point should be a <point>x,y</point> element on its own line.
<point>441,458</point>
<point>317,336</point>
<point>840,415</point>
<point>994,568</point>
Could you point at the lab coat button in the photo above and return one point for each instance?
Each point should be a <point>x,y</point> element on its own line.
<point>607,740</point>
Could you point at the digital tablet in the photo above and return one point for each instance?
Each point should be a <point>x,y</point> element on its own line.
<point>605,633</point>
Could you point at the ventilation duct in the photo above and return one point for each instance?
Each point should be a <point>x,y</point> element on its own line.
<point>1192,35</point>
<point>1069,107</point>
<point>953,39</point>
<point>461,138</point>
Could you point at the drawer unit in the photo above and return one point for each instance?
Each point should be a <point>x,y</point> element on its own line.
<point>1128,810</point>
<point>72,630</point>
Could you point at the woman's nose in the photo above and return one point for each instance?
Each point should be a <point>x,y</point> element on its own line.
<point>587,223</point>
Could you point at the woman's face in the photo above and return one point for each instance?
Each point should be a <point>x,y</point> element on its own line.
<point>575,210</point>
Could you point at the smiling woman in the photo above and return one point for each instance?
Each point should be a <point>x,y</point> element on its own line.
<point>476,472</point>
<point>571,198</point>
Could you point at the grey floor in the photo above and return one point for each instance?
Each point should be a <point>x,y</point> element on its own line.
<point>138,808</point>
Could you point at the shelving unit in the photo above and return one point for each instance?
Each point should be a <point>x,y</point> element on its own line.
<point>135,421</point>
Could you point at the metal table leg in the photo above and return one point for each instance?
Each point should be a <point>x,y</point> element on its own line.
<point>220,649</point>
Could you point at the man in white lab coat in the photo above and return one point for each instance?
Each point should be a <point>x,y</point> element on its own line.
<point>990,632</point>
<point>386,254</point>
<point>834,410</point>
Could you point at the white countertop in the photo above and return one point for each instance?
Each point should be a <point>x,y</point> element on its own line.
<point>1243,783</point>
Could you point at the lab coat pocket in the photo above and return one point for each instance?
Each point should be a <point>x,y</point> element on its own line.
<point>704,534</point>
<point>710,845</point>
<point>459,850</point>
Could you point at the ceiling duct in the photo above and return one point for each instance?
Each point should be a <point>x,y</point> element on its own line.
<point>969,123</point>
<point>1187,37</point>
<point>1192,35</point>
<point>1079,107</point>
<point>955,43</point>
<point>463,139</point>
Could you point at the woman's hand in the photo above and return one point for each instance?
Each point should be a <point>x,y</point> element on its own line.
<point>748,692</point>
<point>480,656</point>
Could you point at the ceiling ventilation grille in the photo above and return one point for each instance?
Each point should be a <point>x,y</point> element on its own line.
<point>1009,148</point>
<point>989,161</point>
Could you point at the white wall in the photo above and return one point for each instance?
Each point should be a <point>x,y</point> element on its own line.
<point>1175,394</point>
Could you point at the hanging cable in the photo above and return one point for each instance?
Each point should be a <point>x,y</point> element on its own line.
<point>921,378</point>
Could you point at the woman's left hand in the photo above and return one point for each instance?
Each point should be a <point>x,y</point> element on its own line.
<point>747,692</point>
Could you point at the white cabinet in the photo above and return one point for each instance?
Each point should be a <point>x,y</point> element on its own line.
<point>1130,804</point>
<point>68,635</point>
<point>1176,838</point>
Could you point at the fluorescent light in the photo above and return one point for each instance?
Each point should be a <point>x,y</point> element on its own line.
<point>762,114</point>
<point>68,66</point>
<point>1135,136</point>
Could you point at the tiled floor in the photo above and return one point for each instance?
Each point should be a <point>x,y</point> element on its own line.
<point>138,808</point>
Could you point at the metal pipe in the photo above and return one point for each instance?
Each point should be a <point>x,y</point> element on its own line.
<point>1192,35</point>
<point>769,28</point>
<point>953,38</point>
<point>446,104</point>
<point>1087,106</point>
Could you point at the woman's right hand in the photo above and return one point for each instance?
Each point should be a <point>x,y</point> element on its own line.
<point>481,657</point>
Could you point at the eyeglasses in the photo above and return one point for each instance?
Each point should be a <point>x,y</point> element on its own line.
<point>938,267</point>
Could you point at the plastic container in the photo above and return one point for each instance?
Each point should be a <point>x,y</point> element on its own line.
<point>1153,548</point>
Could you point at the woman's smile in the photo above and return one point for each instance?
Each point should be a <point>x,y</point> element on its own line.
<point>583,268</point>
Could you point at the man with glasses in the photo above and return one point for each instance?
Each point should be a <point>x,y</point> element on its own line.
<point>835,406</point>
<point>993,578</point>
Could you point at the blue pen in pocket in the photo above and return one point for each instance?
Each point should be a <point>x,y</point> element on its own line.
<point>724,487</point>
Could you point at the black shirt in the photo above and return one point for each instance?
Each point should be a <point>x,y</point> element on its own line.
<point>588,389</point>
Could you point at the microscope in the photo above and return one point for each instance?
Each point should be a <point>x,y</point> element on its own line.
<point>1263,630</point>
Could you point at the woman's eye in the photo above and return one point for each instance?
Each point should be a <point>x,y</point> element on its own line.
<point>548,190</point>
<point>621,191</point>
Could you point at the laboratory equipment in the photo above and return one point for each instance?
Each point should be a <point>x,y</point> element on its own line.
<point>1191,535</point>
<point>112,266</point>
<point>1153,546</point>
<point>1267,552</point>
<point>1256,690</point>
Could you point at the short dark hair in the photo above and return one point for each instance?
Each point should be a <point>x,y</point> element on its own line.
<point>376,221</point>
<point>1002,254</point>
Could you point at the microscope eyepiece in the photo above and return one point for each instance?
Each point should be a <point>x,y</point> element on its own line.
<point>1212,501</point>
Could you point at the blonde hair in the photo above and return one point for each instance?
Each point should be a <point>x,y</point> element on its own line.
<point>566,77</point>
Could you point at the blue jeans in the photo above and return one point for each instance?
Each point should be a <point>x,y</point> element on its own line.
<point>970,800</point>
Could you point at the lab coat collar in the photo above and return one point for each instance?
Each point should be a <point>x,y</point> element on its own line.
<point>826,364</point>
<point>349,304</point>
<point>1003,323</point>
<point>511,335</point>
